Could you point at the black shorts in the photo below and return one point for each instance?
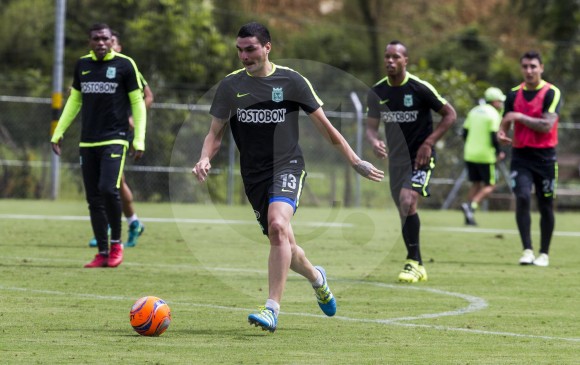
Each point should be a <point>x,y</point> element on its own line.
<point>404,176</point>
<point>285,186</point>
<point>541,174</point>
<point>481,172</point>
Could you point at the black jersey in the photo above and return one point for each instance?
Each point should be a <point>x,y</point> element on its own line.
<point>406,113</point>
<point>105,86</point>
<point>263,115</point>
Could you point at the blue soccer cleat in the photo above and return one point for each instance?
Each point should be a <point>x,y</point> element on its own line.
<point>266,319</point>
<point>135,230</point>
<point>93,241</point>
<point>324,296</point>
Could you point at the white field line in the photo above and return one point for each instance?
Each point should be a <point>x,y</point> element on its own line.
<point>297,223</point>
<point>166,220</point>
<point>474,304</point>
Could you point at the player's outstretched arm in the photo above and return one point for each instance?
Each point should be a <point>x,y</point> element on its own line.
<point>211,146</point>
<point>331,134</point>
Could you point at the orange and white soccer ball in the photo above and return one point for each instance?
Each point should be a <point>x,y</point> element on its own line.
<point>150,316</point>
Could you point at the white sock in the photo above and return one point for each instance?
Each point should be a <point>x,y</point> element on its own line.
<point>272,304</point>
<point>132,219</point>
<point>318,282</point>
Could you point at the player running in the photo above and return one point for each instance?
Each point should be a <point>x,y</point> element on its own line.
<point>261,103</point>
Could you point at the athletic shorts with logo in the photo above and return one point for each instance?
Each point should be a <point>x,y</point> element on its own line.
<point>405,176</point>
<point>285,186</point>
<point>542,174</point>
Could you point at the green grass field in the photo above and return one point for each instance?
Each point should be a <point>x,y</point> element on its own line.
<point>209,263</point>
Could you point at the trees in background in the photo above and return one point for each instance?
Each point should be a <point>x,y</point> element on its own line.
<point>184,47</point>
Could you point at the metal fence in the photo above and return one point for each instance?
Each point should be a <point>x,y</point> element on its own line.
<point>175,135</point>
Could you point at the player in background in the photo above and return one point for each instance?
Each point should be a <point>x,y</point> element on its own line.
<point>403,102</point>
<point>481,150</point>
<point>261,103</point>
<point>533,108</point>
<point>105,85</point>
<point>135,227</point>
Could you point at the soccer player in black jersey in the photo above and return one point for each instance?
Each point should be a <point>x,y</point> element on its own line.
<point>135,227</point>
<point>403,102</point>
<point>261,103</point>
<point>105,86</point>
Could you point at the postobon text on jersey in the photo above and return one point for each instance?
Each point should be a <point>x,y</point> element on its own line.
<point>399,117</point>
<point>98,87</point>
<point>262,115</point>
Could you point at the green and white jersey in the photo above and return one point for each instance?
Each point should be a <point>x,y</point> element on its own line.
<point>481,122</point>
<point>105,86</point>
<point>405,111</point>
<point>263,115</point>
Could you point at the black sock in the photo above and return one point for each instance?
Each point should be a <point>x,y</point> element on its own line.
<point>411,228</point>
<point>547,223</point>
<point>524,221</point>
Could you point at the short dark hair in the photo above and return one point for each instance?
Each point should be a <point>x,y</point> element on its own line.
<point>398,43</point>
<point>98,26</point>
<point>257,30</point>
<point>117,35</point>
<point>532,55</point>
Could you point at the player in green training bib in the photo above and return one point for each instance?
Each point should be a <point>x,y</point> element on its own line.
<point>482,150</point>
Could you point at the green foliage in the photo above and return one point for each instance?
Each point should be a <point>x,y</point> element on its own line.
<point>331,45</point>
<point>178,43</point>
<point>466,51</point>
<point>184,47</point>
<point>24,43</point>
<point>456,86</point>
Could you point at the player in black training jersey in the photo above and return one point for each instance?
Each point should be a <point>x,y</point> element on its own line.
<point>105,86</point>
<point>261,103</point>
<point>135,227</point>
<point>403,102</point>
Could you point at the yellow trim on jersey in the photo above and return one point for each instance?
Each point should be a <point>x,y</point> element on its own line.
<point>541,84</point>
<point>300,187</point>
<point>429,86</point>
<point>121,168</point>
<point>555,100</point>
<point>104,143</point>
<point>236,72</point>
<point>318,100</point>
<point>109,56</point>
<point>402,83</point>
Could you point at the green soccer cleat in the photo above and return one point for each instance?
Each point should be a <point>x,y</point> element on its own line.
<point>324,296</point>
<point>412,272</point>
<point>266,319</point>
<point>135,230</point>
